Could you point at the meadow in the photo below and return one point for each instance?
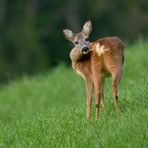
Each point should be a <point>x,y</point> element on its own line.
<point>48,110</point>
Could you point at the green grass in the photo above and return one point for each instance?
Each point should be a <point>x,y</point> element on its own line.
<point>49,110</point>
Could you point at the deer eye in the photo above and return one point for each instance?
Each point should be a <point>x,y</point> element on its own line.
<point>76,42</point>
<point>87,39</point>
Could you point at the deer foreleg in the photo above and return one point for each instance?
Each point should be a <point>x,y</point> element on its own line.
<point>89,92</point>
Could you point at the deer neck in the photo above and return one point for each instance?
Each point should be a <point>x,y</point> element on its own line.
<point>78,59</point>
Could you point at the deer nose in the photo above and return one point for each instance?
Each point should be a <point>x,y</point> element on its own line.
<point>85,49</point>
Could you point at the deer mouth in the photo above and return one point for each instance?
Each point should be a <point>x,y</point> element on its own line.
<point>85,50</point>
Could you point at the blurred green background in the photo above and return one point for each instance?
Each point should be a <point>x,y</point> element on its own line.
<point>31,39</point>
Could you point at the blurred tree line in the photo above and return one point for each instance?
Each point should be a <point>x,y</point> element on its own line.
<point>31,38</point>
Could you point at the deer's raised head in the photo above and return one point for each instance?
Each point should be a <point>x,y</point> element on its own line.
<point>80,40</point>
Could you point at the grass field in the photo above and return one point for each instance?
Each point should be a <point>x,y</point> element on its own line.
<point>48,110</point>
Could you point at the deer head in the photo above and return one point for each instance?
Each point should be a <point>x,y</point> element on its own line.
<point>80,40</point>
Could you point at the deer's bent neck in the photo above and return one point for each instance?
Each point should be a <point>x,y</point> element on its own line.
<point>78,59</point>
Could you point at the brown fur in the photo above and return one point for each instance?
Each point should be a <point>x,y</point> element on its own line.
<point>95,68</point>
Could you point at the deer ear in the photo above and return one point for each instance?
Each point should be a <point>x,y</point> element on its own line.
<point>87,28</point>
<point>69,35</point>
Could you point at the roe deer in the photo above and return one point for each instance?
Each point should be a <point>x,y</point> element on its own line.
<point>95,61</point>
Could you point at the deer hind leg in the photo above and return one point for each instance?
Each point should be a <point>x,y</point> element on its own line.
<point>102,99</point>
<point>115,81</point>
<point>89,93</point>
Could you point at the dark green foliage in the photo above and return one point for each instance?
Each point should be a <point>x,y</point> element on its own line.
<point>31,38</point>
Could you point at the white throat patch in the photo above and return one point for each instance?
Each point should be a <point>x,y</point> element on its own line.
<point>99,49</point>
